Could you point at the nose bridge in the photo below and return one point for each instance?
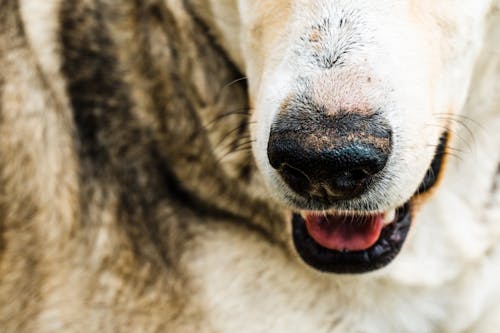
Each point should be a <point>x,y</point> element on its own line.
<point>351,88</point>
<point>318,127</point>
<point>326,36</point>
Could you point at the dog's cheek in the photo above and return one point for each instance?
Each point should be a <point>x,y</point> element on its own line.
<point>274,89</point>
<point>262,35</point>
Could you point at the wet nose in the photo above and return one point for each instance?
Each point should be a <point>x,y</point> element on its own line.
<point>331,159</point>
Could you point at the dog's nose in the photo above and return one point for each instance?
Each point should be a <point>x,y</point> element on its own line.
<point>331,160</point>
<point>340,172</point>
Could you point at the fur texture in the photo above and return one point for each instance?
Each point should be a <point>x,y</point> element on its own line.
<point>130,198</point>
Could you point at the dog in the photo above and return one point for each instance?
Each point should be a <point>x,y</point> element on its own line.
<point>249,166</point>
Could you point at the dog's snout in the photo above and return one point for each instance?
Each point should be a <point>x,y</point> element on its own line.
<point>334,159</point>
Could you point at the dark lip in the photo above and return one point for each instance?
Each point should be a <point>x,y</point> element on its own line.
<point>377,256</point>
<point>387,246</point>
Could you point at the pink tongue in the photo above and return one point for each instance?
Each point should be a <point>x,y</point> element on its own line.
<point>345,232</point>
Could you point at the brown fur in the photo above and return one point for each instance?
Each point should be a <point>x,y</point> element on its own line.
<point>101,187</point>
<point>124,132</point>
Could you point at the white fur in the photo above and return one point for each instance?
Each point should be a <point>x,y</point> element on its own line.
<point>446,277</point>
<point>412,83</point>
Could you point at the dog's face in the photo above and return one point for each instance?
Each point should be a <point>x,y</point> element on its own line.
<point>352,104</point>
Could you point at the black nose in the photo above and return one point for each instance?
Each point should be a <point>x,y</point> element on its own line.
<point>333,159</point>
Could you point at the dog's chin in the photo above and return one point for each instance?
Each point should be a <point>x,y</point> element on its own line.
<point>353,242</point>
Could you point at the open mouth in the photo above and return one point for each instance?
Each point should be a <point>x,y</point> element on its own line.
<point>359,242</point>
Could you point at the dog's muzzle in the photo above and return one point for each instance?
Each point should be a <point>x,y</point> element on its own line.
<point>329,158</point>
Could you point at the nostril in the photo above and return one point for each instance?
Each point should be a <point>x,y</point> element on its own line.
<point>294,172</point>
<point>349,183</point>
<point>357,175</point>
<point>295,177</point>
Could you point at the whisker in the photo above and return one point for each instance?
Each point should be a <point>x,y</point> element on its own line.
<point>245,146</point>
<point>455,134</point>
<point>240,127</point>
<point>449,148</point>
<point>467,128</point>
<point>235,81</point>
<point>460,116</point>
<point>249,142</point>
<point>451,154</point>
<point>233,142</point>
<point>464,122</point>
<point>227,85</point>
<point>237,112</point>
<point>241,149</point>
